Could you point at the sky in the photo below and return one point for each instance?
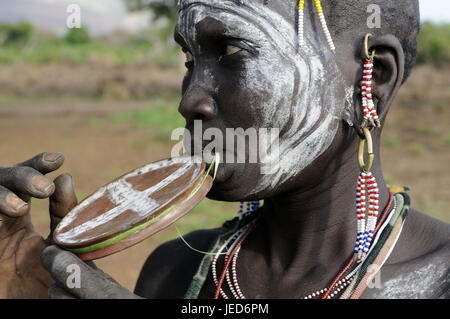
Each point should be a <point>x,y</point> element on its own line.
<point>435,10</point>
<point>105,16</point>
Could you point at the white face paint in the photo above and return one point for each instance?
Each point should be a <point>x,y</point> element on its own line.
<point>420,283</point>
<point>303,92</point>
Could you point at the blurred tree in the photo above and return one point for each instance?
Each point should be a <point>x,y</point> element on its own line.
<point>166,10</point>
<point>15,34</point>
<point>434,43</point>
<point>160,8</point>
<point>78,35</point>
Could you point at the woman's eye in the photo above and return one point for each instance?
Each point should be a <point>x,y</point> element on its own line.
<point>231,49</point>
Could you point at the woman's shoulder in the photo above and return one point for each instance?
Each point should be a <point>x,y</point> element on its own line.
<point>419,265</point>
<point>421,236</point>
<point>170,268</point>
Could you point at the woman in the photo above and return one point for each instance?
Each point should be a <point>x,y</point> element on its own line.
<point>259,65</point>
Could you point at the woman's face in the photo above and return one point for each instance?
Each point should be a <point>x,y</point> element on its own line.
<point>244,70</point>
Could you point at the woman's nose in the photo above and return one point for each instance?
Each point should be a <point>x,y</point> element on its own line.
<point>197,104</point>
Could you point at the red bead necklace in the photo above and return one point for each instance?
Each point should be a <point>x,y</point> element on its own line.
<point>336,281</point>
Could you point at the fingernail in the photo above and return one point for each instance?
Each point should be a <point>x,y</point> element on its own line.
<point>42,184</point>
<point>15,202</point>
<point>52,157</point>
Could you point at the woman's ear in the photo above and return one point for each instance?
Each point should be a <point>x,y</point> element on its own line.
<point>388,70</point>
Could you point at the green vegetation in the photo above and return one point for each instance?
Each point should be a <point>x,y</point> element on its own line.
<point>417,149</point>
<point>392,141</point>
<point>429,130</point>
<point>447,140</point>
<point>60,50</point>
<point>18,34</point>
<point>78,35</point>
<point>161,119</point>
<point>434,43</point>
<point>208,214</point>
<point>20,43</point>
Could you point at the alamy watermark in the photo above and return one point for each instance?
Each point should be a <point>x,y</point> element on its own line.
<point>235,145</point>
<point>73,20</point>
<point>374,19</point>
<point>74,278</point>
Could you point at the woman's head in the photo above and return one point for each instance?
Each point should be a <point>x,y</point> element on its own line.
<point>245,70</point>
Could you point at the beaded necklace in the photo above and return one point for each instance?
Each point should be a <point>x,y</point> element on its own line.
<point>235,242</point>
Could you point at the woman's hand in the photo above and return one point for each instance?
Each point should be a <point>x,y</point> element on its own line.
<point>21,273</point>
<point>77,279</point>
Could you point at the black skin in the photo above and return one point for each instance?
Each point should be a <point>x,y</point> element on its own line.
<point>21,273</point>
<point>307,226</point>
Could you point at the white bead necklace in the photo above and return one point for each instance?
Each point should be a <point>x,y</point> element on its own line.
<point>232,279</point>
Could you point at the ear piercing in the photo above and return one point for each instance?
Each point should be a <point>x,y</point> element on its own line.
<point>370,115</point>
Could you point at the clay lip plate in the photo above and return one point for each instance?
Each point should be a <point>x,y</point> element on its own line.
<point>129,201</point>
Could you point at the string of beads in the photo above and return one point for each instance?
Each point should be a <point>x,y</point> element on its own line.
<point>340,282</point>
<point>370,114</point>
<point>366,227</point>
<point>251,207</point>
<point>323,23</point>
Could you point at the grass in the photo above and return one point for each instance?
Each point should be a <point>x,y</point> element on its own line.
<point>96,122</point>
<point>41,50</point>
<point>447,140</point>
<point>81,195</point>
<point>440,107</point>
<point>392,141</point>
<point>429,130</point>
<point>207,214</point>
<point>417,149</point>
<point>8,99</point>
<point>161,117</point>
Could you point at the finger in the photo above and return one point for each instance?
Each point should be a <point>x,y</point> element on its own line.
<point>45,162</point>
<point>62,200</point>
<point>56,292</point>
<point>27,181</point>
<point>92,284</point>
<point>10,204</point>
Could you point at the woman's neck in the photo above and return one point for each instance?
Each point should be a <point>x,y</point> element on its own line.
<point>313,231</point>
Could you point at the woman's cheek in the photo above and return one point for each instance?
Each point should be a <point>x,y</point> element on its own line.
<point>270,90</point>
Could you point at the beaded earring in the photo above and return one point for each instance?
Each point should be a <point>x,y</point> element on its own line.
<point>366,183</point>
<point>370,114</point>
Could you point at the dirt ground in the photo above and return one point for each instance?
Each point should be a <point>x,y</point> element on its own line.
<point>416,151</point>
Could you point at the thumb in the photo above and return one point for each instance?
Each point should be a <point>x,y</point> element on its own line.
<point>62,201</point>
